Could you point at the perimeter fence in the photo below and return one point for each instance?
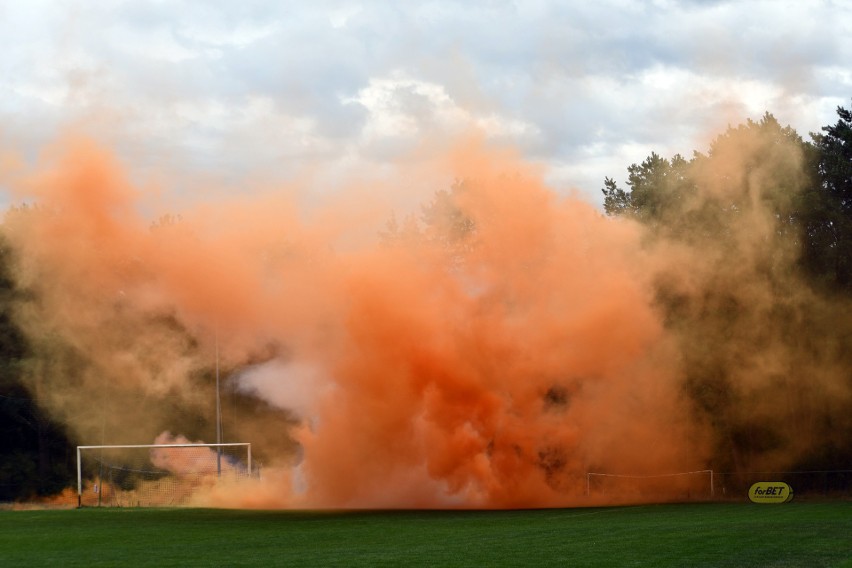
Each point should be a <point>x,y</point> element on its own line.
<point>710,485</point>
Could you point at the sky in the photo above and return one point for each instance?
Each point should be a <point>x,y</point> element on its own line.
<point>212,94</point>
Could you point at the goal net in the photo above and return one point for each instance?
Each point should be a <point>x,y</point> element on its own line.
<point>156,474</point>
<point>682,485</point>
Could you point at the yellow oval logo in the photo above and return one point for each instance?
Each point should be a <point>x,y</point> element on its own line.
<point>770,492</point>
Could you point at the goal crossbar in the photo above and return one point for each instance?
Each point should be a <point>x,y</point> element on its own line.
<point>246,445</point>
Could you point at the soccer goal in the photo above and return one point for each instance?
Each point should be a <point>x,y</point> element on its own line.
<point>687,484</point>
<point>150,475</point>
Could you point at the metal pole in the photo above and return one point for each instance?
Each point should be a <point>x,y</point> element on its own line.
<point>79,481</point>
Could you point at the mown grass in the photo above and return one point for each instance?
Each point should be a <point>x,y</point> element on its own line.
<point>794,534</point>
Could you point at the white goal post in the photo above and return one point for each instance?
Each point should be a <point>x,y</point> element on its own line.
<point>709,472</point>
<point>141,463</point>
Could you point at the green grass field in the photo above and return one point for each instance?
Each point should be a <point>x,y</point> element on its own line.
<point>795,534</point>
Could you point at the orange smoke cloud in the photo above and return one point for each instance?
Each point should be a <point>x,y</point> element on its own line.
<point>489,359</point>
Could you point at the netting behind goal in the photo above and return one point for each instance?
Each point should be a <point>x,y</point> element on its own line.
<point>682,485</point>
<point>156,475</point>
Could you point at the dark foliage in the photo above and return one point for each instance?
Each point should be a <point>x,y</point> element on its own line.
<point>36,455</point>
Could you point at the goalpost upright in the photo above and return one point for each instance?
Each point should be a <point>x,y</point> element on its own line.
<point>217,447</point>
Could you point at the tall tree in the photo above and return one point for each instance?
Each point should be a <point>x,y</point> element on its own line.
<point>758,203</point>
<point>443,223</point>
<point>827,210</point>
<point>658,188</point>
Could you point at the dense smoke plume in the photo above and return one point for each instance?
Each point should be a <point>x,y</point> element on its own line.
<point>486,351</point>
<point>766,347</point>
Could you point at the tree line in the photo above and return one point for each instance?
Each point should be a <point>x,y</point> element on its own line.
<point>765,326</point>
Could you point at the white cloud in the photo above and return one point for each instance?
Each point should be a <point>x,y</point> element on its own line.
<point>340,17</point>
<point>581,87</point>
<point>403,109</point>
<point>225,35</point>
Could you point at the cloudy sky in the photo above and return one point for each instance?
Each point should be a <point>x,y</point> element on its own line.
<point>230,90</point>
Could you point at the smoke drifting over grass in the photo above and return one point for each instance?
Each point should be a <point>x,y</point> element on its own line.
<point>488,358</point>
